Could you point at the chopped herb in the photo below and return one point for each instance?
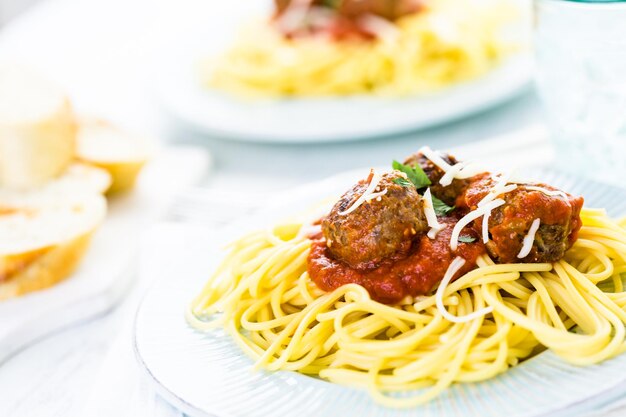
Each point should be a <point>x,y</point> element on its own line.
<point>333,4</point>
<point>403,182</point>
<point>415,174</point>
<point>441,208</point>
<point>467,239</point>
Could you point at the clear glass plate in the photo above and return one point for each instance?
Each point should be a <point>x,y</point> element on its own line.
<point>208,375</point>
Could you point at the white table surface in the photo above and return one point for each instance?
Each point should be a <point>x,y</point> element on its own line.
<point>101,52</point>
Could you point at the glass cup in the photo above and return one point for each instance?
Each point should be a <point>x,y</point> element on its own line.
<point>580,49</point>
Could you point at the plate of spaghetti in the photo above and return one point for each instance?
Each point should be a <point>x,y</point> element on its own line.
<point>433,287</point>
<point>281,65</point>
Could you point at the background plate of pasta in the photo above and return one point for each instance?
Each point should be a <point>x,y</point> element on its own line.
<point>432,286</point>
<point>310,70</point>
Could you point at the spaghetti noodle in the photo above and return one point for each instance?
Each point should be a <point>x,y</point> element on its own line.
<point>575,307</point>
<point>449,42</point>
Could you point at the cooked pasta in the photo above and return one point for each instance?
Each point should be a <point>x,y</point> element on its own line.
<point>576,307</point>
<point>449,42</point>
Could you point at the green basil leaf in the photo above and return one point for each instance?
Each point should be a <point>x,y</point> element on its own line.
<point>441,208</point>
<point>333,4</point>
<point>415,174</point>
<point>403,182</point>
<point>467,239</point>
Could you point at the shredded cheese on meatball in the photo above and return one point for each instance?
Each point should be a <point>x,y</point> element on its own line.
<point>529,239</point>
<point>452,173</point>
<point>486,226</point>
<point>551,193</point>
<point>470,217</point>
<point>459,171</point>
<point>497,190</point>
<point>381,28</point>
<point>468,171</point>
<point>431,216</point>
<point>435,158</point>
<point>368,194</point>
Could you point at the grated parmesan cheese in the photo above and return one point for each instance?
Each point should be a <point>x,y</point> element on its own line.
<point>431,216</point>
<point>294,16</point>
<point>435,158</point>
<point>452,173</point>
<point>551,193</point>
<point>368,194</point>
<point>498,189</point>
<point>469,171</point>
<point>469,217</point>
<point>381,28</point>
<point>454,267</point>
<point>460,171</point>
<point>486,226</point>
<point>529,239</point>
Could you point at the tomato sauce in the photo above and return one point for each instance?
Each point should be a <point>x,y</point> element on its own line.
<point>342,20</point>
<point>418,273</point>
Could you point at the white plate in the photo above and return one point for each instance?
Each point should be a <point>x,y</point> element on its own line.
<point>308,120</point>
<point>208,375</point>
<point>107,269</point>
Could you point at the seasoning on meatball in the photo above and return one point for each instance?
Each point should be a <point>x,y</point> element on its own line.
<point>557,211</point>
<point>379,228</point>
<point>448,194</point>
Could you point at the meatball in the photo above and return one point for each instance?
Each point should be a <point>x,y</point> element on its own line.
<point>448,194</point>
<point>387,9</point>
<point>381,228</point>
<point>559,215</point>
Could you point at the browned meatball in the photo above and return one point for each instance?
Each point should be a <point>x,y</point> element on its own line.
<point>346,20</point>
<point>381,228</point>
<point>559,217</point>
<point>447,194</point>
<point>388,9</point>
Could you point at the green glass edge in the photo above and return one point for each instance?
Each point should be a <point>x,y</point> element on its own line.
<point>596,1</point>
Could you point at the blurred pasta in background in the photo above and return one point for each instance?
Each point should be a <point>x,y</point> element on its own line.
<point>330,48</point>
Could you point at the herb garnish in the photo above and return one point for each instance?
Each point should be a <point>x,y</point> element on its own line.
<point>467,239</point>
<point>333,4</point>
<point>417,178</point>
<point>403,182</point>
<point>415,174</point>
<point>441,208</point>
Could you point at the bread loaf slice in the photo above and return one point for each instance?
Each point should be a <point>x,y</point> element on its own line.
<point>43,236</point>
<point>78,178</point>
<point>37,128</point>
<point>122,154</point>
